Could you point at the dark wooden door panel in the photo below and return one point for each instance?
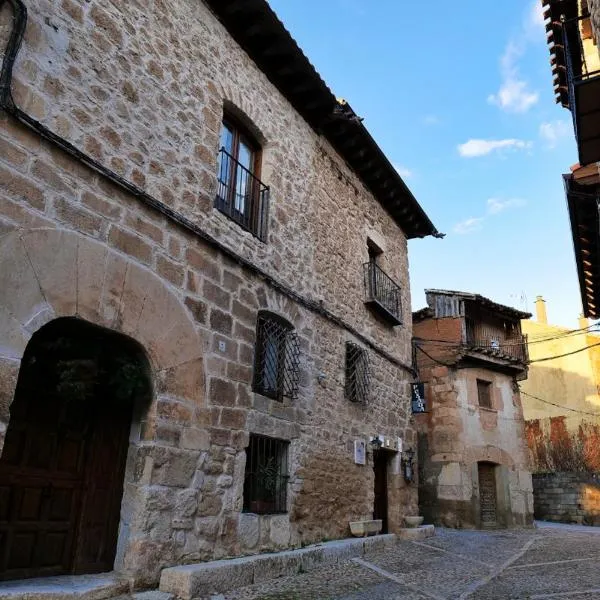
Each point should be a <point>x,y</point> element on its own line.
<point>487,494</point>
<point>380,507</point>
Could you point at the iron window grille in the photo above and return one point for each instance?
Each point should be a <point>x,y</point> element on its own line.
<point>266,475</point>
<point>484,393</point>
<point>357,374</point>
<point>382,292</point>
<point>277,357</point>
<point>242,196</point>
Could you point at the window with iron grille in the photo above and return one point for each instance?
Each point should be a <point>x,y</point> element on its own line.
<point>266,475</point>
<point>484,393</point>
<point>240,193</point>
<point>357,373</point>
<point>276,358</point>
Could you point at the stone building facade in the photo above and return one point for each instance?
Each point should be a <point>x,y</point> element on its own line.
<point>110,168</point>
<point>473,458</point>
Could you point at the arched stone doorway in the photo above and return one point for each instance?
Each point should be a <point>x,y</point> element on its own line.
<point>63,462</point>
<point>49,274</point>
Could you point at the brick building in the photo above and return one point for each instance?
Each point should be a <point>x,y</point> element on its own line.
<point>204,297</point>
<point>473,457</point>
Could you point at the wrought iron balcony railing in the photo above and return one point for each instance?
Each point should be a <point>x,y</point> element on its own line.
<point>242,196</point>
<point>512,348</point>
<point>582,64</point>
<point>382,293</point>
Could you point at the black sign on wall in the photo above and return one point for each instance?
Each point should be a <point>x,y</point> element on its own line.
<point>418,397</point>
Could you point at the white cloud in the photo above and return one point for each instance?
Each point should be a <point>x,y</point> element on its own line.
<point>476,147</point>
<point>431,120</point>
<point>534,21</point>
<point>403,171</point>
<point>553,131</point>
<point>468,225</point>
<point>496,205</point>
<point>514,94</point>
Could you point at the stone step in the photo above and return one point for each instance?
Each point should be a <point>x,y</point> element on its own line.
<point>66,587</point>
<point>216,577</point>
<point>416,533</point>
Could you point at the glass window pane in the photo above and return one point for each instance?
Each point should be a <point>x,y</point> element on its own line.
<point>226,140</point>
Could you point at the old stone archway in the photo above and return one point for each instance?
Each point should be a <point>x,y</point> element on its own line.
<point>63,461</point>
<point>46,274</point>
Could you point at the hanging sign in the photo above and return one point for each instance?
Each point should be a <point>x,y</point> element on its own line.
<point>418,397</point>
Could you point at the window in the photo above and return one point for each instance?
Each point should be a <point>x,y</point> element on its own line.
<point>276,360</point>
<point>357,373</point>
<point>484,393</point>
<point>266,475</point>
<point>240,193</point>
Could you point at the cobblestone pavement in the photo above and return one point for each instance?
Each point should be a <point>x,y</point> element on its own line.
<point>554,562</point>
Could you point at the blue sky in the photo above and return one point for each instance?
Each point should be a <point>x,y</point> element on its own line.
<point>459,96</point>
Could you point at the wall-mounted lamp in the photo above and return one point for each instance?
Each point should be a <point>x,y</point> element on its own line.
<point>376,442</point>
<point>407,465</point>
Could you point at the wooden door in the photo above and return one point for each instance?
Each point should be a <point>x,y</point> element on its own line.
<point>61,481</point>
<point>380,506</point>
<point>102,488</point>
<point>487,494</point>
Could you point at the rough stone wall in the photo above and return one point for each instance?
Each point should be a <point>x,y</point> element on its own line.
<point>457,434</point>
<point>147,101</point>
<point>567,497</point>
<point>142,87</point>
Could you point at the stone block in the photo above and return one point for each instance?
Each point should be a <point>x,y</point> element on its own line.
<point>249,530</point>
<point>198,580</point>
<point>280,530</point>
<point>416,533</point>
<point>272,566</point>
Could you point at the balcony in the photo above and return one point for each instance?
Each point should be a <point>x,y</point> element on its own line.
<point>383,293</point>
<point>242,196</point>
<point>495,344</point>
<point>581,63</point>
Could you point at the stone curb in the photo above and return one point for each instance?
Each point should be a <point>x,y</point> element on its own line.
<point>416,533</point>
<point>215,577</point>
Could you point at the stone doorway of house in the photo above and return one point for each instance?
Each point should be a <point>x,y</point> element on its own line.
<point>488,501</point>
<point>63,461</point>
<point>380,505</point>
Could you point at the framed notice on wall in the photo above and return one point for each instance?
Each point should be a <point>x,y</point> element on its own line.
<point>360,452</point>
<point>418,397</point>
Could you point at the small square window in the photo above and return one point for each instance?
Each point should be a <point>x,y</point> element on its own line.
<point>266,475</point>
<point>484,393</point>
<point>276,360</point>
<point>357,373</point>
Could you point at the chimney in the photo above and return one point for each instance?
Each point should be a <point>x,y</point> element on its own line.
<point>540,310</point>
<point>583,322</point>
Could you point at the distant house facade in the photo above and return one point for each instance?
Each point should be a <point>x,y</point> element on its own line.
<point>473,460</point>
<point>204,296</point>
<point>561,397</point>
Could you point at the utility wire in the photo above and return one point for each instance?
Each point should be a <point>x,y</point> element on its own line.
<point>583,412</point>
<point>565,354</point>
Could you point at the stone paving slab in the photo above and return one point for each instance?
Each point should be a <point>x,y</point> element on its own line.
<point>455,565</point>
<point>490,547</point>
<point>336,581</point>
<point>438,573</point>
<point>552,545</point>
<point>541,580</point>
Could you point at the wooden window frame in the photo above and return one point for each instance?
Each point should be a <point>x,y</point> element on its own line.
<point>241,134</point>
<point>484,384</point>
